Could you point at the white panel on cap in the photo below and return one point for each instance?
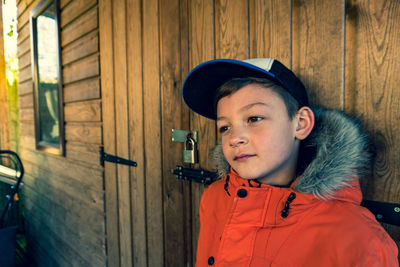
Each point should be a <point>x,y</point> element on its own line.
<point>264,63</point>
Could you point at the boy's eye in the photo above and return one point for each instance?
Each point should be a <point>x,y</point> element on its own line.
<point>223,129</point>
<point>254,119</point>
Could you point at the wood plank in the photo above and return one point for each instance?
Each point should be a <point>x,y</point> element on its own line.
<point>34,250</point>
<point>83,239</point>
<point>372,57</point>
<point>83,111</point>
<point>270,29</point>
<point>89,133</point>
<point>25,88</point>
<point>39,251</point>
<point>25,74</point>
<point>24,61</point>
<point>152,133</point>
<point>64,3</point>
<point>315,29</point>
<point>231,29</point>
<point>87,175</point>
<point>73,189</point>
<point>24,33</point>
<point>108,101</point>
<point>187,190</point>
<point>202,49</point>
<point>26,101</point>
<point>173,117</point>
<point>82,90</point>
<point>136,134</point>
<point>80,48</point>
<point>27,128</point>
<point>122,131</point>
<point>82,69</point>
<point>83,152</point>
<point>24,47</point>
<point>79,27</point>
<point>91,253</point>
<point>63,206</point>
<point>74,10</point>
<point>51,241</point>
<point>27,142</point>
<point>26,115</point>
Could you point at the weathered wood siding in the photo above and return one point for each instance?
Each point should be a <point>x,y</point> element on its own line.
<point>64,196</point>
<point>346,52</point>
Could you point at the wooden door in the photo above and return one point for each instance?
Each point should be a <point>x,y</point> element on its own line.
<point>346,52</point>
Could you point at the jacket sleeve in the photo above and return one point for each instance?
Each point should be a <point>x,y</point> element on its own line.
<point>382,253</point>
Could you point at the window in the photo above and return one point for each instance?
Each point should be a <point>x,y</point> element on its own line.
<point>47,78</point>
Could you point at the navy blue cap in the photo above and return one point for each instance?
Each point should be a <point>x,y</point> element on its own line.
<point>202,82</point>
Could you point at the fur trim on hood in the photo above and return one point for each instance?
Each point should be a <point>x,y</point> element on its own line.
<point>338,153</point>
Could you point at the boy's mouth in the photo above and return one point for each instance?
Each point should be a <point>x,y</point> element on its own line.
<point>242,157</point>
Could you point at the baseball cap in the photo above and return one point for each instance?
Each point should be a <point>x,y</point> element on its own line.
<point>202,82</point>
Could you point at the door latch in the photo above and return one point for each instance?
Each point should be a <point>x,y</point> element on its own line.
<point>195,175</point>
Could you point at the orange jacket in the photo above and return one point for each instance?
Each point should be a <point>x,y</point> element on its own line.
<point>312,223</point>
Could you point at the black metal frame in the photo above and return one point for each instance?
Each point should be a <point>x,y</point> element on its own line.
<point>42,145</point>
<point>14,158</point>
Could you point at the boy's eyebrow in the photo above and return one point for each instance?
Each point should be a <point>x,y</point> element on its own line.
<point>246,108</point>
<point>252,105</point>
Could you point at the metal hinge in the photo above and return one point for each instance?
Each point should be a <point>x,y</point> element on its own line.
<point>111,158</point>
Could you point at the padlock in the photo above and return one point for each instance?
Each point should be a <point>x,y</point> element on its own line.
<point>190,152</point>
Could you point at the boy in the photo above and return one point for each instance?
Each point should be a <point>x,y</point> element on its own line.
<point>289,193</point>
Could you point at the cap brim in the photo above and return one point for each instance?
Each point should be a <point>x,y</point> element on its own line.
<point>203,81</point>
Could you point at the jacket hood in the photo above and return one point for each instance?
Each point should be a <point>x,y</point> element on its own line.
<point>332,157</point>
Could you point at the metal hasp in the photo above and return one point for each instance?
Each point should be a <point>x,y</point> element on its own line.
<point>383,211</point>
<point>111,158</point>
<point>182,135</point>
<point>195,175</point>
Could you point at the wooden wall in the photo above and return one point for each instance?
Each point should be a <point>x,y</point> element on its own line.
<point>64,196</point>
<point>346,52</point>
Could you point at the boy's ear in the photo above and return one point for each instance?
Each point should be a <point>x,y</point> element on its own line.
<point>305,122</point>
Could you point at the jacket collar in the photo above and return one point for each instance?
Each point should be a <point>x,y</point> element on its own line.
<point>334,156</point>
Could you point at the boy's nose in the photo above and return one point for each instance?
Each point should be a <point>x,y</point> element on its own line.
<point>237,138</point>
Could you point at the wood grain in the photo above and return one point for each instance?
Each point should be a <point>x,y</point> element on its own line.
<point>26,115</point>
<point>90,133</point>
<point>201,40</point>
<point>82,47</point>
<point>270,30</point>
<point>122,131</point>
<point>76,9</point>
<point>172,117</point>
<point>81,26</point>
<point>373,58</point>
<point>134,95</point>
<point>108,100</point>
<point>82,69</point>
<point>316,31</point>
<point>25,88</point>
<point>83,152</point>
<point>152,133</point>
<point>83,112</point>
<point>231,29</point>
<point>82,90</point>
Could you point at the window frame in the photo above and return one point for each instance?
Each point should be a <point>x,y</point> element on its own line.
<point>42,145</point>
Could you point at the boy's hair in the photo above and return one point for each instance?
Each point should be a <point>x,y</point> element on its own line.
<point>233,85</point>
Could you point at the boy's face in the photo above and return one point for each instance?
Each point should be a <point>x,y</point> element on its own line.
<point>258,138</point>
